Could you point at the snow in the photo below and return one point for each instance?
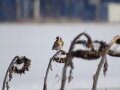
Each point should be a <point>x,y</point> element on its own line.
<point>19,66</point>
<point>59,55</point>
<point>81,47</point>
<point>115,47</point>
<point>84,48</point>
<point>96,46</point>
<point>35,42</point>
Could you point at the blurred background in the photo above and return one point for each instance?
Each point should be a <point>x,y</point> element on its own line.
<point>29,28</point>
<point>60,10</point>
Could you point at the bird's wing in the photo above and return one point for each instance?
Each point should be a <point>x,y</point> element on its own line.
<point>54,45</point>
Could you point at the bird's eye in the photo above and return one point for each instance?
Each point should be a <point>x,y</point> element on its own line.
<point>57,37</point>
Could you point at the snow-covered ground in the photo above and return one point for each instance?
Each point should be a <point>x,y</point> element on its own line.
<point>35,42</point>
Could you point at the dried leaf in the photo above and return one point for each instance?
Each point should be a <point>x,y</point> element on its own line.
<point>105,68</point>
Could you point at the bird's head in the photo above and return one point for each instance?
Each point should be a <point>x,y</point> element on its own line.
<point>58,38</point>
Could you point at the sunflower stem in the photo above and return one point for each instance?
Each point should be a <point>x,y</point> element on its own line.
<point>6,75</point>
<point>47,71</point>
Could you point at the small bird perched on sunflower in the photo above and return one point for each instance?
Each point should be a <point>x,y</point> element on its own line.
<point>58,44</point>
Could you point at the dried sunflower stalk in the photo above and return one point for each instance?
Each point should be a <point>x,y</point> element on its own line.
<point>18,65</point>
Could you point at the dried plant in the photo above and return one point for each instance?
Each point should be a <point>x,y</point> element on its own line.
<point>71,54</point>
<point>92,51</point>
<point>18,65</point>
<point>59,57</point>
<point>114,51</point>
<point>103,60</point>
<point>105,67</point>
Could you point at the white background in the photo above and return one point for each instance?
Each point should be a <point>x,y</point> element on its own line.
<point>35,41</point>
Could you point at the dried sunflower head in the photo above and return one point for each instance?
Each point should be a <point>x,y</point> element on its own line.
<point>18,65</point>
<point>21,64</point>
<point>60,57</point>
<point>82,51</point>
<point>115,49</point>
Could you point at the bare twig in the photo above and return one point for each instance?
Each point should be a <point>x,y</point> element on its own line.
<point>69,58</point>
<point>96,76</point>
<point>4,82</point>
<point>47,71</point>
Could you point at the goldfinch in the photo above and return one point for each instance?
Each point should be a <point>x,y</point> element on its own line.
<point>58,44</point>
